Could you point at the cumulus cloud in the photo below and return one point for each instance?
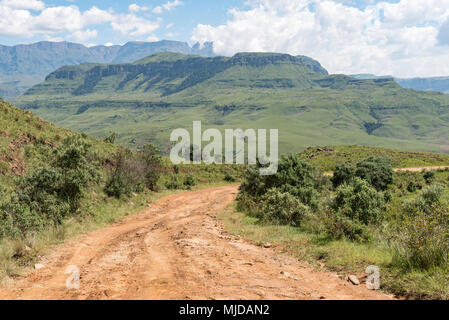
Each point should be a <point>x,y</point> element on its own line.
<point>17,21</point>
<point>168,6</point>
<point>136,8</point>
<point>23,4</point>
<point>130,24</point>
<point>83,35</point>
<point>403,38</point>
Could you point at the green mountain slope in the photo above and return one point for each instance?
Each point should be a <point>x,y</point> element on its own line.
<point>26,142</point>
<point>143,101</point>
<point>440,84</point>
<point>23,66</point>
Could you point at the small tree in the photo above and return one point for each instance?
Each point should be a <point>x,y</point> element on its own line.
<point>377,171</point>
<point>343,174</point>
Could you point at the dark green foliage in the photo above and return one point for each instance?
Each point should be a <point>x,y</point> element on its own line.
<point>173,183</point>
<point>356,206</point>
<point>189,181</point>
<point>282,208</point>
<point>423,240</point>
<point>429,176</point>
<point>284,198</point>
<point>294,176</point>
<point>339,225</point>
<point>48,195</point>
<point>377,171</point>
<point>16,217</point>
<point>134,171</point>
<point>229,177</point>
<point>150,155</point>
<point>343,174</point>
<point>359,201</point>
<point>412,186</point>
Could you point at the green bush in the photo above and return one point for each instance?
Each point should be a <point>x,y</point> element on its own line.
<point>189,181</point>
<point>48,195</point>
<point>282,208</point>
<point>356,206</point>
<point>229,177</point>
<point>342,174</point>
<point>423,240</point>
<point>17,218</point>
<point>339,225</point>
<point>173,183</point>
<point>377,171</point>
<point>294,176</point>
<point>429,176</point>
<point>133,171</point>
<point>359,201</point>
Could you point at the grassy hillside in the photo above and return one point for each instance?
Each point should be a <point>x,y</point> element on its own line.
<point>145,100</point>
<point>327,158</point>
<point>55,184</point>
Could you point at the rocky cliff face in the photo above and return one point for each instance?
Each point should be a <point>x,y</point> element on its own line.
<point>35,61</point>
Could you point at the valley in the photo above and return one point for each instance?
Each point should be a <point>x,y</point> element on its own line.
<point>145,100</point>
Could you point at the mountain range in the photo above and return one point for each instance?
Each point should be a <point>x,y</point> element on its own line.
<point>440,84</point>
<point>23,66</point>
<point>145,100</point>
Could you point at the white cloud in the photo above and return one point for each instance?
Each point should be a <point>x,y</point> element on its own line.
<point>152,38</point>
<point>403,39</point>
<point>56,21</point>
<point>83,35</point>
<point>130,24</point>
<point>136,8</point>
<point>23,4</point>
<point>168,6</point>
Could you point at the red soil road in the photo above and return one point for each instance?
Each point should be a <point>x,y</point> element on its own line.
<point>176,249</point>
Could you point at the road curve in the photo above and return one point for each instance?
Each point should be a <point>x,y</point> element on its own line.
<point>178,250</point>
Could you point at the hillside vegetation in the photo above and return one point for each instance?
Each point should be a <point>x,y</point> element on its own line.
<point>55,183</point>
<point>327,158</point>
<point>364,215</point>
<point>143,101</point>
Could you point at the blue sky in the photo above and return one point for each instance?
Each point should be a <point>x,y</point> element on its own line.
<point>395,37</point>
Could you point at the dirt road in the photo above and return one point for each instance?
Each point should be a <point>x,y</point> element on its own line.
<point>177,250</point>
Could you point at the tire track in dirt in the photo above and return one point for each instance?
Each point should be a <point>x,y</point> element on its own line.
<point>178,250</point>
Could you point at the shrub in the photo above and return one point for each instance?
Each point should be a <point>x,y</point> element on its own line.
<point>173,183</point>
<point>16,218</point>
<point>412,187</point>
<point>133,171</point>
<point>48,195</point>
<point>342,174</point>
<point>282,208</point>
<point>150,155</point>
<point>423,240</point>
<point>429,176</point>
<point>229,177</point>
<point>294,176</point>
<point>189,181</point>
<point>356,206</point>
<point>339,225</point>
<point>359,201</point>
<point>75,163</point>
<point>377,171</point>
